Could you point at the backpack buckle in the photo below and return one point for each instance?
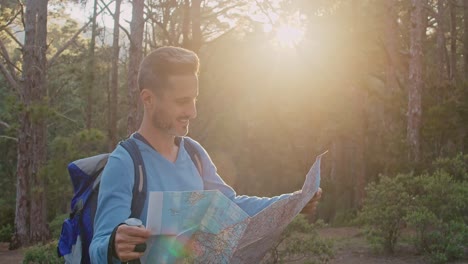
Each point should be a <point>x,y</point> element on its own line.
<point>77,209</point>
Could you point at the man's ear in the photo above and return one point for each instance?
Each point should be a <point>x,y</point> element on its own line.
<point>147,98</point>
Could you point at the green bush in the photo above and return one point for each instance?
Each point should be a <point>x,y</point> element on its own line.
<point>386,205</point>
<point>6,232</point>
<point>300,240</point>
<point>42,254</point>
<point>457,167</point>
<point>434,205</point>
<point>438,217</point>
<point>344,218</point>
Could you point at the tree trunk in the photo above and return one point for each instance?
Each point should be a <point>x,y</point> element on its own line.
<point>464,133</point>
<point>146,41</point>
<point>391,45</point>
<point>417,31</point>
<point>21,235</point>
<point>196,26</point>
<point>31,225</point>
<point>186,25</point>
<point>338,186</point>
<point>359,164</point>
<point>442,58</point>
<point>453,41</point>
<point>465,40</point>
<point>90,71</point>
<point>114,83</point>
<point>135,57</point>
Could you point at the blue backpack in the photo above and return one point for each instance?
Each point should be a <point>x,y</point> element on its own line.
<point>77,230</point>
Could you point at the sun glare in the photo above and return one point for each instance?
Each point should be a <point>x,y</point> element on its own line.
<point>289,36</point>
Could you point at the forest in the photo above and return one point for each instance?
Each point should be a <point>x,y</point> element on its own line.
<point>381,84</point>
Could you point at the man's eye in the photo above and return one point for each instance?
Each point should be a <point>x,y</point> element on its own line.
<point>183,102</point>
<point>187,101</point>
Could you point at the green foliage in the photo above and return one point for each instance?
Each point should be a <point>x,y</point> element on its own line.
<point>64,150</point>
<point>439,216</point>
<point>441,241</point>
<point>384,208</point>
<point>42,254</point>
<point>55,225</point>
<point>300,240</point>
<point>457,167</point>
<point>345,218</point>
<point>8,105</point>
<point>433,205</point>
<point>6,232</point>
<point>442,122</point>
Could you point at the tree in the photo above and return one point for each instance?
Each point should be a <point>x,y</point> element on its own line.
<point>442,56</point>
<point>90,70</point>
<point>31,209</point>
<point>135,56</point>
<point>197,37</point>
<point>465,40</point>
<point>186,25</point>
<point>113,102</point>
<point>391,41</point>
<point>191,24</point>
<point>32,132</point>
<point>453,41</point>
<point>417,31</point>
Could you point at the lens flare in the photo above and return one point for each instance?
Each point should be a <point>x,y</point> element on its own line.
<point>289,36</point>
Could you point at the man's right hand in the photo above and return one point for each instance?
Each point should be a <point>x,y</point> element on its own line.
<point>126,238</point>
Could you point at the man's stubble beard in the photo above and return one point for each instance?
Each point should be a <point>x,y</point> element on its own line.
<point>162,123</point>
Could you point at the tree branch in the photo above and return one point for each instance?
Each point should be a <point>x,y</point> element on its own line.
<point>65,117</point>
<point>22,13</point>
<point>11,20</point>
<point>12,36</point>
<point>9,78</point>
<point>72,39</point>
<point>264,11</point>
<point>9,75</point>
<point>8,137</point>
<point>222,11</point>
<point>11,66</point>
<point>66,45</point>
<point>120,26</point>
<point>125,31</point>
<point>220,36</point>
<point>5,124</point>
<point>162,27</point>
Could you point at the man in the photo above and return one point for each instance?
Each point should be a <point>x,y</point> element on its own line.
<point>168,85</point>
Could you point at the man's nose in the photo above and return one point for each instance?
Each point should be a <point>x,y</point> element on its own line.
<point>193,110</point>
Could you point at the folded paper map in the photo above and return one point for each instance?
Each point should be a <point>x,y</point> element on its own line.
<point>207,227</point>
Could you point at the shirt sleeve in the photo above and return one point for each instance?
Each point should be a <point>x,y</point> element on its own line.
<point>114,202</point>
<point>212,181</point>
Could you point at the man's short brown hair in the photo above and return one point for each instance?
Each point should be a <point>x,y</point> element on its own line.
<point>156,68</point>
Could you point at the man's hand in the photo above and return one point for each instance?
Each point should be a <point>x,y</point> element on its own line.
<point>126,238</point>
<point>312,204</point>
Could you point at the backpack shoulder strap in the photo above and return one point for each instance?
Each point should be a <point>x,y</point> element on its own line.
<point>189,145</point>
<point>194,155</point>
<point>139,187</point>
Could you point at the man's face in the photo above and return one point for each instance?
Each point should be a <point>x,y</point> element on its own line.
<point>175,105</point>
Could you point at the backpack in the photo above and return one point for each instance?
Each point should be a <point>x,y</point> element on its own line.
<point>85,174</point>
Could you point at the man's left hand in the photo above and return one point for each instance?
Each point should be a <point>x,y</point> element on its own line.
<point>312,204</point>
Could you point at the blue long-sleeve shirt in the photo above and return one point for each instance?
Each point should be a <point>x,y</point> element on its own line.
<point>116,188</point>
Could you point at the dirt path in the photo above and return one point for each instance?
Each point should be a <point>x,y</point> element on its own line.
<point>10,256</point>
